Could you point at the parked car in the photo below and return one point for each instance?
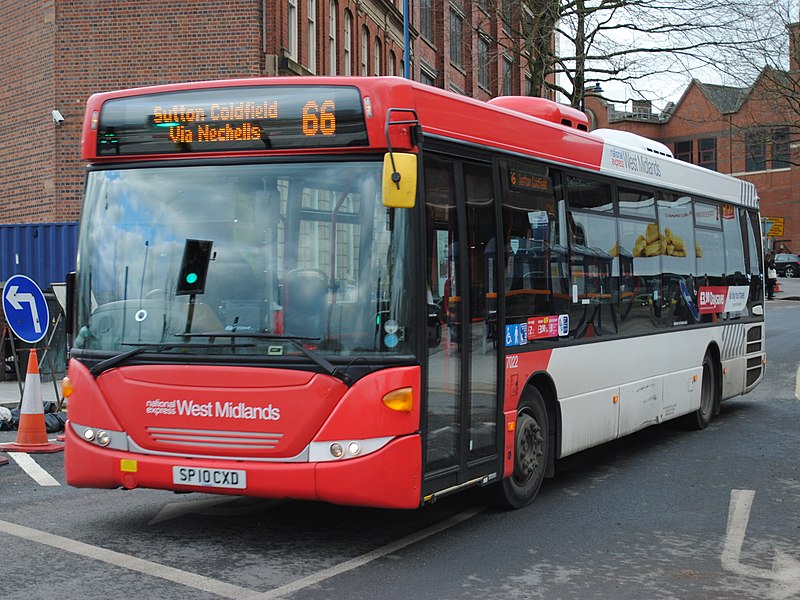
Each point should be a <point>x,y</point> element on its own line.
<point>787,265</point>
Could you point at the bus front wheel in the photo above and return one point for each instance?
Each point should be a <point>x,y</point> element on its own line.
<point>531,447</point>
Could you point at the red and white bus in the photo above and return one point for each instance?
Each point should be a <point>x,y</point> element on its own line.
<point>369,291</point>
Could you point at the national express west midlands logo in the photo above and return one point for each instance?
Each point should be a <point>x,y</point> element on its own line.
<point>637,163</point>
<point>224,410</point>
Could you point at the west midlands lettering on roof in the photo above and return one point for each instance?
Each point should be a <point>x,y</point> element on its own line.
<point>636,163</point>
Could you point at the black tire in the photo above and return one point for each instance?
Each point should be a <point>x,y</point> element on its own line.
<point>790,271</point>
<point>709,402</point>
<point>531,453</point>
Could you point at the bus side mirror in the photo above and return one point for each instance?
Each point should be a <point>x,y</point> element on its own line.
<point>399,180</point>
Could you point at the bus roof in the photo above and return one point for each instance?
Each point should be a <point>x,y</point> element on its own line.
<point>292,112</point>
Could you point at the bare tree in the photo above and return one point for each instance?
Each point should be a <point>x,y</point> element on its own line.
<point>569,43</point>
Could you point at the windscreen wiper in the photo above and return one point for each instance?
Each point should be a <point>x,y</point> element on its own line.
<point>118,359</point>
<point>296,340</point>
<point>122,357</point>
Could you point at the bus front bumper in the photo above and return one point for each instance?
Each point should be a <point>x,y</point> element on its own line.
<point>387,478</point>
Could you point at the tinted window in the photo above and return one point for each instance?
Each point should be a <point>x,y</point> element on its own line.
<point>589,194</point>
<point>536,278</point>
<point>593,264</point>
<point>639,275</point>
<point>676,222</point>
<point>638,203</point>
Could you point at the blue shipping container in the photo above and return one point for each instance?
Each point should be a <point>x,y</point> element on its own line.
<point>45,252</point>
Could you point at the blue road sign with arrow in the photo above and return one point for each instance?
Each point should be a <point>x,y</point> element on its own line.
<point>25,308</point>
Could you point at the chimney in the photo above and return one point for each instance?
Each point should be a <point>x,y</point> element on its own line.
<point>794,47</point>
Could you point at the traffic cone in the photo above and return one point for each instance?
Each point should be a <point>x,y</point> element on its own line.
<point>32,433</point>
<point>777,287</point>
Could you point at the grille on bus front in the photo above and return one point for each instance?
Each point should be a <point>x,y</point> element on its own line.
<point>214,438</point>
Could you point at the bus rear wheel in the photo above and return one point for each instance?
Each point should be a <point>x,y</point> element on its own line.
<point>531,447</point>
<point>700,418</point>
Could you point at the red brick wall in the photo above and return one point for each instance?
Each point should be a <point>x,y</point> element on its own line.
<point>56,53</point>
<point>27,146</point>
<point>103,46</point>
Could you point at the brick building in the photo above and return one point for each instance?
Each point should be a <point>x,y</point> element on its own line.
<point>58,52</point>
<point>751,133</point>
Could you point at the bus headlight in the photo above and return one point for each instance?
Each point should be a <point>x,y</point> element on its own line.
<point>345,449</point>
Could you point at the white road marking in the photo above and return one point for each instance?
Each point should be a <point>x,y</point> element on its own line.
<point>214,586</point>
<point>198,582</point>
<point>785,573</point>
<point>359,561</point>
<point>32,468</point>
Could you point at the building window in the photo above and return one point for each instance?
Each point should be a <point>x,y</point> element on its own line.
<point>780,148</point>
<point>508,15</point>
<point>392,59</point>
<point>332,38</point>
<point>684,151</point>
<point>364,50</point>
<point>291,33</point>
<point>483,62</point>
<point>456,33</point>
<point>426,19</point>
<point>348,43</point>
<point>376,59</point>
<point>312,36</point>
<point>707,153</point>
<point>508,76</point>
<point>427,77</point>
<point>755,151</point>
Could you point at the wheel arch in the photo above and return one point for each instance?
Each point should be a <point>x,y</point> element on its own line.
<point>716,361</point>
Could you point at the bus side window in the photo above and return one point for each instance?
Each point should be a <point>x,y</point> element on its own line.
<point>532,242</point>
<point>593,258</point>
<point>594,268</point>
<point>678,263</point>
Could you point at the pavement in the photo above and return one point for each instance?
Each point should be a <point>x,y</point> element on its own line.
<point>11,392</point>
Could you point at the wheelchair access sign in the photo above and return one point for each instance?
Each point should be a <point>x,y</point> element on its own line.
<point>25,309</point>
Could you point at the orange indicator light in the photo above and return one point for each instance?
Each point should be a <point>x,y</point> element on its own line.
<point>401,400</point>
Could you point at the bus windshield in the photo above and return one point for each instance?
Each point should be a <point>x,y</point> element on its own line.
<point>178,257</point>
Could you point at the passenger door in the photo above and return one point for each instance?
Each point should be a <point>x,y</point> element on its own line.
<point>461,416</point>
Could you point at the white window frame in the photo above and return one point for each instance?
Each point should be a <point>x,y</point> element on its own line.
<point>376,59</point>
<point>332,59</point>
<point>364,51</point>
<point>291,32</point>
<point>348,42</point>
<point>312,36</point>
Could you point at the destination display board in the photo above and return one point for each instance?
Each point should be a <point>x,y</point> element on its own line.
<point>232,119</point>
